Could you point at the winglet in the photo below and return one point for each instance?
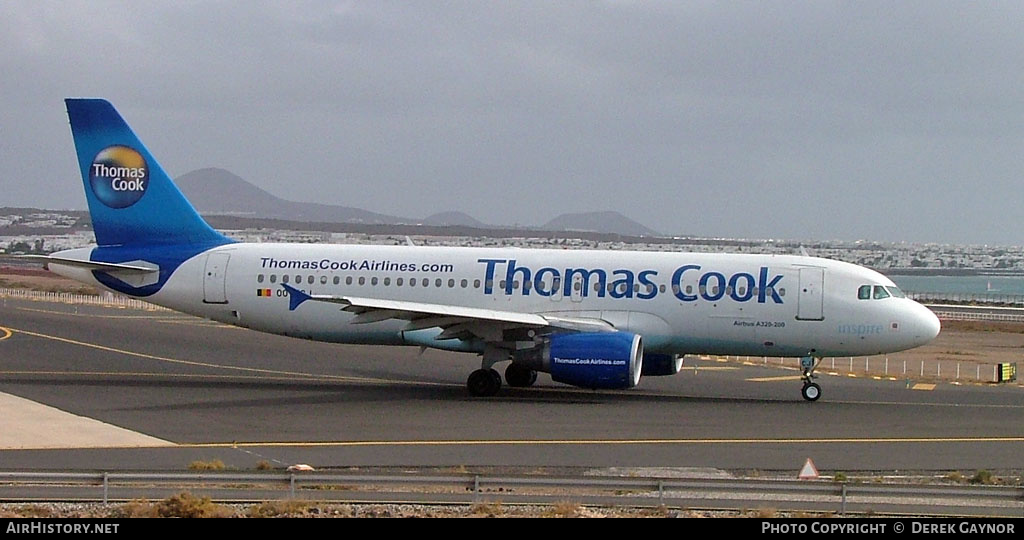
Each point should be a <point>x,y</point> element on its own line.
<point>295,297</point>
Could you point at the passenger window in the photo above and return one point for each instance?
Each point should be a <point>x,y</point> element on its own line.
<point>464,283</point>
<point>259,278</point>
<point>661,288</point>
<point>348,280</point>
<point>864,292</point>
<point>412,282</point>
<point>373,281</point>
<point>400,282</point>
<point>451,283</point>
<point>526,286</point>
<point>323,280</point>
<point>437,282</point>
<point>426,282</point>
<point>310,280</point>
<point>362,281</point>
<point>298,279</point>
<point>782,291</point>
<point>337,280</point>
<point>273,278</point>
<point>476,283</point>
<point>284,278</point>
<point>387,282</point>
<point>501,284</point>
<point>880,292</point>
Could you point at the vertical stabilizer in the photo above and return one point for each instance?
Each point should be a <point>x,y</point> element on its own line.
<point>131,199</point>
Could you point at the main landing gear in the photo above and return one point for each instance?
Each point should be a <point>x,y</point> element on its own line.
<point>811,391</point>
<point>486,382</point>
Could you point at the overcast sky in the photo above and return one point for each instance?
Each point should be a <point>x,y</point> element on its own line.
<point>800,120</point>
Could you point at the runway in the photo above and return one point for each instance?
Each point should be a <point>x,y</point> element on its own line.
<point>218,392</point>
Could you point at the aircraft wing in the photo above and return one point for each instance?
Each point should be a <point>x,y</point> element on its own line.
<point>457,321</point>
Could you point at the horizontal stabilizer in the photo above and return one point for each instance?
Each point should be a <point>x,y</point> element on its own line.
<point>93,265</point>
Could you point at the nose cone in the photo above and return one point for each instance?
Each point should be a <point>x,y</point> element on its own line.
<point>926,324</point>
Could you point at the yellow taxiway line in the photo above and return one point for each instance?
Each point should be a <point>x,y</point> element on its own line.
<point>165,359</point>
<point>778,378</point>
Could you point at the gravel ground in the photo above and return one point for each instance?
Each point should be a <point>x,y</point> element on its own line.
<point>295,509</point>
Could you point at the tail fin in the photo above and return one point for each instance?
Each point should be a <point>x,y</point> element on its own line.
<point>131,199</point>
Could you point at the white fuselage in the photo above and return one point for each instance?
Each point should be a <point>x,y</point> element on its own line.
<point>681,303</point>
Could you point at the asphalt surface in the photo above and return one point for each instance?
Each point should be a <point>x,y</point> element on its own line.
<point>243,397</point>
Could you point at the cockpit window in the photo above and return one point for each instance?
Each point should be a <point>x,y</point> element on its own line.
<point>896,292</point>
<point>864,292</point>
<point>880,292</point>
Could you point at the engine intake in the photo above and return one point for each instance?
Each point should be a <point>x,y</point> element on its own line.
<point>660,365</point>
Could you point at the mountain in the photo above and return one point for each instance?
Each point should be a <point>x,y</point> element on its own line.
<point>216,191</point>
<point>219,192</point>
<point>458,219</point>
<point>609,222</point>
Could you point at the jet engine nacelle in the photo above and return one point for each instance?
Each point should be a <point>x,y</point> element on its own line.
<point>609,360</point>
<point>660,365</point>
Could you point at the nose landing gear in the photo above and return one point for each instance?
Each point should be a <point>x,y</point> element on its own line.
<point>811,391</point>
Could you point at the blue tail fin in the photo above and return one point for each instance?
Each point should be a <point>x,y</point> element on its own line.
<point>131,199</point>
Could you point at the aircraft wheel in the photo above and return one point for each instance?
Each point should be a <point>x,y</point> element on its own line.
<point>517,375</point>
<point>811,391</point>
<point>484,382</point>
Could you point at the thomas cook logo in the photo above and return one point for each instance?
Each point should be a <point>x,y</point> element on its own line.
<point>119,176</point>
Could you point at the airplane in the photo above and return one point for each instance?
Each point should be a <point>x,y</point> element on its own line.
<point>588,318</point>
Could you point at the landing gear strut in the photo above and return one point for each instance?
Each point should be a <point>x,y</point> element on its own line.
<point>811,391</point>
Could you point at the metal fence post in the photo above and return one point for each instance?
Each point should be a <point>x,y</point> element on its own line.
<point>842,507</point>
<point>106,488</point>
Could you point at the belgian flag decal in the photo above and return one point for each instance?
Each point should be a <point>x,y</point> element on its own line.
<point>263,292</point>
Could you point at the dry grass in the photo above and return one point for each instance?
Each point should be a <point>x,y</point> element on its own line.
<point>182,505</point>
<point>493,509</point>
<point>214,465</point>
<point>564,509</point>
<point>289,508</point>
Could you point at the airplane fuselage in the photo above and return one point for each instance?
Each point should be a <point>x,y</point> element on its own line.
<point>681,303</point>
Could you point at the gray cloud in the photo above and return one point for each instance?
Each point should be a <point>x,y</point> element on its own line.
<point>808,120</point>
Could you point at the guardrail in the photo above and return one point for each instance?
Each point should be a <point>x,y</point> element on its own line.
<point>968,298</point>
<point>474,488</point>
<point>107,300</point>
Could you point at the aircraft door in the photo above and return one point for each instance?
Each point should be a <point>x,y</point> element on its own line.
<point>811,296</point>
<point>215,278</point>
<point>576,293</point>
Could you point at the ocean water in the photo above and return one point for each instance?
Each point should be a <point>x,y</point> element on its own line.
<point>967,285</point>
